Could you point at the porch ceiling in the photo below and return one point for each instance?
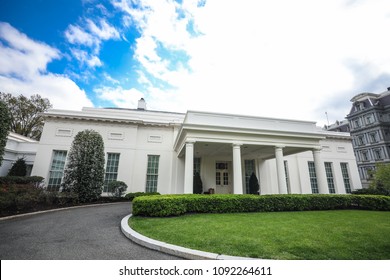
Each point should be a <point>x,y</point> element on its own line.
<point>202,149</point>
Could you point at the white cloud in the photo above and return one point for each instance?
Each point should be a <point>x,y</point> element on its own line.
<point>120,97</point>
<point>85,58</point>
<point>76,35</point>
<point>104,32</point>
<point>89,36</point>
<point>271,58</point>
<point>23,71</point>
<point>15,50</point>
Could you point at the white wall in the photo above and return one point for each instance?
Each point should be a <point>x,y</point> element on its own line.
<point>17,146</point>
<point>334,151</point>
<point>133,142</point>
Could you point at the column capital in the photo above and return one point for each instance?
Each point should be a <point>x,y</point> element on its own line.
<point>236,144</point>
<point>278,147</point>
<point>190,142</point>
<point>317,149</point>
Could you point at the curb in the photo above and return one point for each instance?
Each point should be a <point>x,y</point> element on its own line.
<point>170,248</point>
<point>55,210</point>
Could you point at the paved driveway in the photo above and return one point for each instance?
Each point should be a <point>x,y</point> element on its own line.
<point>91,233</point>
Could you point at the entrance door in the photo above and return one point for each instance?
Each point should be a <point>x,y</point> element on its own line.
<point>222,178</point>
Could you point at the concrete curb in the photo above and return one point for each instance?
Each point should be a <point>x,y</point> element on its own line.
<point>55,210</point>
<point>170,248</point>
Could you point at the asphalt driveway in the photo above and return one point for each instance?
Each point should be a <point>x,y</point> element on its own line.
<point>91,233</point>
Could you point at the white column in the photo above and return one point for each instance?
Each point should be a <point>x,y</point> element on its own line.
<point>237,171</point>
<point>189,168</point>
<point>280,170</point>
<point>320,172</point>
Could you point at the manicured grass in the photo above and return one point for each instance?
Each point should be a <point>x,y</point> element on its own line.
<point>309,235</point>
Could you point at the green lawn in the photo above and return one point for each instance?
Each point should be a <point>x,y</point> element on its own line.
<point>319,235</point>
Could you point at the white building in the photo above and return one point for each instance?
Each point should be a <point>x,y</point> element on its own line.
<point>18,146</point>
<point>161,151</point>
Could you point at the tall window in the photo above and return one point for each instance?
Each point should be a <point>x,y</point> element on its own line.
<point>329,177</point>
<point>287,176</point>
<point>313,177</point>
<point>152,173</point>
<point>378,154</point>
<point>111,169</point>
<point>56,170</point>
<point>365,155</point>
<point>249,169</point>
<point>196,165</point>
<point>344,171</point>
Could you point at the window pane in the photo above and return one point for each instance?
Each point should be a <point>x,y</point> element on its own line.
<point>249,169</point>
<point>218,178</point>
<point>313,177</point>
<point>56,170</point>
<point>152,173</point>
<point>196,166</point>
<point>344,171</point>
<point>225,178</point>
<point>111,169</point>
<point>329,177</point>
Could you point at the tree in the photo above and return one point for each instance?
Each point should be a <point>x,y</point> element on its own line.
<point>254,186</point>
<point>198,185</point>
<point>381,179</point>
<point>26,113</point>
<point>84,173</point>
<point>19,168</point>
<point>5,124</point>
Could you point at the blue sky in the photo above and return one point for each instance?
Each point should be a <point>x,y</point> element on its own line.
<point>288,59</point>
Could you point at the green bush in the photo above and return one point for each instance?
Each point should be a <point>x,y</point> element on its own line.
<point>374,191</point>
<point>19,168</point>
<point>174,205</point>
<point>31,180</point>
<point>131,196</point>
<point>116,188</point>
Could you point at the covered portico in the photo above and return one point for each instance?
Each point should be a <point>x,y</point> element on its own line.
<point>232,138</point>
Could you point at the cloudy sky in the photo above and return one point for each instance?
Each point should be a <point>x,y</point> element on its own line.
<point>281,58</point>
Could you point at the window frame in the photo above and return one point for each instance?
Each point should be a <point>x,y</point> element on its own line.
<point>57,166</point>
<point>111,170</point>
<point>152,170</point>
<point>313,177</point>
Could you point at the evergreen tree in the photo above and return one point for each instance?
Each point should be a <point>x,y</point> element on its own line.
<point>84,173</point>
<point>19,168</point>
<point>198,185</point>
<point>254,186</point>
<point>5,124</point>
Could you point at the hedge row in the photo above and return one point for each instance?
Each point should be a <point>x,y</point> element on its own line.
<point>131,196</point>
<point>175,205</point>
<point>20,180</point>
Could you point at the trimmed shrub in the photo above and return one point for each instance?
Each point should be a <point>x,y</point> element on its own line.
<point>174,205</point>
<point>31,180</point>
<point>198,185</point>
<point>254,186</point>
<point>374,191</point>
<point>131,196</point>
<point>116,188</point>
<point>158,206</point>
<point>19,168</point>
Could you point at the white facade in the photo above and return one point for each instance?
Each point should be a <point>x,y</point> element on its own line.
<point>161,151</point>
<point>18,146</point>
